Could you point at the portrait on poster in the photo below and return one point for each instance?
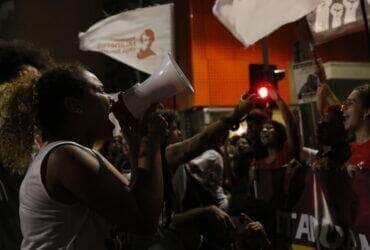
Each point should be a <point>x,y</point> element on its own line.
<point>305,81</point>
<point>336,18</point>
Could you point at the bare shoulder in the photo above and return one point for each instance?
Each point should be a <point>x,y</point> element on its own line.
<point>71,157</point>
<point>74,166</point>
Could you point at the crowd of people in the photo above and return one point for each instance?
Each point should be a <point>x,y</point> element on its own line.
<point>66,183</point>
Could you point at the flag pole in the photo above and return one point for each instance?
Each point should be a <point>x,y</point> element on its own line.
<point>265,51</point>
<point>366,24</point>
<point>312,48</point>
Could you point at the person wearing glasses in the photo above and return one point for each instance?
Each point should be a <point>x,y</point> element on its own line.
<point>356,112</point>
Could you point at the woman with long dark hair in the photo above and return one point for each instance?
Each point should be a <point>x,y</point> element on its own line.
<point>356,113</point>
<point>19,61</point>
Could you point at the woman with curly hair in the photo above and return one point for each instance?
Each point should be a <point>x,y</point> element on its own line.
<point>20,62</point>
<point>71,194</point>
<point>268,171</point>
<point>281,145</point>
<point>19,57</point>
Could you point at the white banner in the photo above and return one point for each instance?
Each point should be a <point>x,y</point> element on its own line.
<point>140,38</point>
<point>333,19</point>
<point>251,20</point>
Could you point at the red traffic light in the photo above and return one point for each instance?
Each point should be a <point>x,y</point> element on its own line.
<point>263,89</point>
<point>263,92</point>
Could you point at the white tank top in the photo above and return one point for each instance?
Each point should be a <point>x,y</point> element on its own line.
<point>49,224</point>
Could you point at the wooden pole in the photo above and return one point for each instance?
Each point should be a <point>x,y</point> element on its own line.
<point>265,51</point>
<point>366,24</point>
<point>310,40</point>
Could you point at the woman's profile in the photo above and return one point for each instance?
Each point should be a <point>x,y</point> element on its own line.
<point>71,195</point>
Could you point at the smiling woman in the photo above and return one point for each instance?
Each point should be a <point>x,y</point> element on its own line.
<point>356,111</point>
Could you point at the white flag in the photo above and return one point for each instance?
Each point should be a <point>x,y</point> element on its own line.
<point>251,20</point>
<point>139,38</point>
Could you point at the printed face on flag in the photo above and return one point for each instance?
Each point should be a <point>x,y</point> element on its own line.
<point>139,38</point>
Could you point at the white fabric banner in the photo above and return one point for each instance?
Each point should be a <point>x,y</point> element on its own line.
<point>251,20</point>
<point>139,38</point>
<point>333,19</point>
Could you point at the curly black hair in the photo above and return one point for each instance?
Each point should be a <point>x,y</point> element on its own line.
<point>17,125</point>
<point>34,105</point>
<point>281,134</point>
<point>15,54</point>
<point>50,91</point>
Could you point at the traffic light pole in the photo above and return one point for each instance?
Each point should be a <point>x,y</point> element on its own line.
<point>265,51</point>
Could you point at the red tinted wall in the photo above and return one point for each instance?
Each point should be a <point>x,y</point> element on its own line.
<point>218,64</point>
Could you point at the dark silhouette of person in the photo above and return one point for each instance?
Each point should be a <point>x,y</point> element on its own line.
<point>309,87</point>
<point>146,38</point>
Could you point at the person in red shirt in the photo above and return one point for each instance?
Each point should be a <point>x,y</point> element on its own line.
<point>267,173</point>
<point>280,141</point>
<point>356,112</point>
<point>356,109</point>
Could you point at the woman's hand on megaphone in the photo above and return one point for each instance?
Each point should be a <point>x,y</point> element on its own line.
<point>133,129</point>
<point>157,128</point>
<point>121,112</point>
<point>130,126</point>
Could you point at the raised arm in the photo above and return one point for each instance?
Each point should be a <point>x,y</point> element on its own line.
<point>148,187</point>
<point>324,95</point>
<point>184,151</point>
<point>92,180</point>
<point>96,183</point>
<point>325,98</point>
<point>181,152</point>
<point>290,123</point>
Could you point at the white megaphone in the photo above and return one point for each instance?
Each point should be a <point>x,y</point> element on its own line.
<point>168,80</point>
